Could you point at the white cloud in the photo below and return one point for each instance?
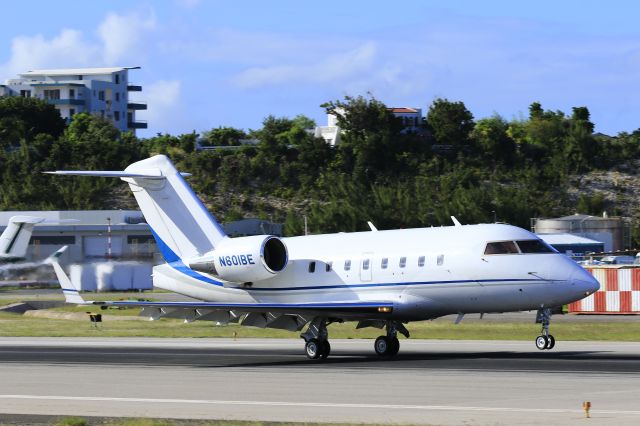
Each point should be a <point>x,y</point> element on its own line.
<point>163,99</point>
<point>120,38</point>
<point>335,67</point>
<point>123,36</point>
<point>67,49</point>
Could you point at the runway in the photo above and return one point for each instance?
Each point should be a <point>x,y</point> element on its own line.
<point>431,381</point>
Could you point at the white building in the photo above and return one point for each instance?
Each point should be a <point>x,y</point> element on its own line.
<point>100,91</point>
<point>411,118</point>
<point>411,122</point>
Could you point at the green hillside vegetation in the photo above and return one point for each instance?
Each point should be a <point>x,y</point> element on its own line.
<point>479,170</point>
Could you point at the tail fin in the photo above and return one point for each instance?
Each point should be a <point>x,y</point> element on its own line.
<point>71,293</point>
<point>182,226</point>
<point>15,238</point>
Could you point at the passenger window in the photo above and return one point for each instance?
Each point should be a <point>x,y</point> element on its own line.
<point>312,267</point>
<point>501,247</point>
<point>384,263</point>
<point>440,259</point>
<point>534,246</point>
<point>365,264</point>
<point>328,266</point>
<point>421,261</point>
<point>347,265</point>
<point>403,262</point>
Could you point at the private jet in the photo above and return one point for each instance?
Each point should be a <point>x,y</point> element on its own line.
<point>379,278</point>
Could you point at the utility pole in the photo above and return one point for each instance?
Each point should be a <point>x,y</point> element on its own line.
<point>109,238</point>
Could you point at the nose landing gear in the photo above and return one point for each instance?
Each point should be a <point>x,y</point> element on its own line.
<point>545,340</point>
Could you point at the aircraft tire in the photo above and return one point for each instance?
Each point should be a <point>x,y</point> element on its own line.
<point>542,342</point>
<point>313,348</point>
<point>383,346</point>
<point>395,346</point>
<point>551,342</point>
<point>326,349</point>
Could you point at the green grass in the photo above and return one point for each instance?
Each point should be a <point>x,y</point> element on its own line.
<point>13,325</point>
<point>71,421</point>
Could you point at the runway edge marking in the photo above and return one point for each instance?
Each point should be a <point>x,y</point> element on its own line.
<point>309,404</point>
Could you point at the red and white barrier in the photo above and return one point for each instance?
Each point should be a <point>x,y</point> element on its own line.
<point>619,291</point>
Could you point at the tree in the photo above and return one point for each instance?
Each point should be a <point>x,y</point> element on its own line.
<point>90,143</point>
<point>492,138</point>
<point>23,118</point>
<point>450,123</point>
<point>223,136</point>
<point>358,116</point>
<point>581,117</point>
<point>303,122</point>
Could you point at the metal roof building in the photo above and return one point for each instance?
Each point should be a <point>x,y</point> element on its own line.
<point>573,245</point>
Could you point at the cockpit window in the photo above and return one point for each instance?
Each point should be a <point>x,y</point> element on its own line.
<point>534,246</point>
<point>501,247</point>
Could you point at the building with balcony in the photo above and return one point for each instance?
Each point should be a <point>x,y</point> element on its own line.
<point>99,91</point>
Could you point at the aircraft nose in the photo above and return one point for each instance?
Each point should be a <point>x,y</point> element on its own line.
<point>585,281</point>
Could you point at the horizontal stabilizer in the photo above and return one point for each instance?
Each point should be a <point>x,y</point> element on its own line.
<point>26,219</point>
<point>181,224</point>
<point>148,174</point>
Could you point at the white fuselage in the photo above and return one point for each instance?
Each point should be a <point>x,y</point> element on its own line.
<point>426,273</point>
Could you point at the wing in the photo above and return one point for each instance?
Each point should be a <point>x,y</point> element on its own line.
<point>287,316</point>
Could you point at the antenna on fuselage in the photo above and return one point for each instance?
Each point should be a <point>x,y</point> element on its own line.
<point>455,221</point>
<point>372,226</point>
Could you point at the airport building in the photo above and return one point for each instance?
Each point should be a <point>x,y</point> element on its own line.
<point>572,245</point>
<point>101,91</point>
<point>612,231</point>
<point>110,249</point>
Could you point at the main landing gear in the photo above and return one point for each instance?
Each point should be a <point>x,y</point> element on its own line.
<point>317,344</point>
<point>317,339</point>
<point>389,345</point>
<point>545,340</point>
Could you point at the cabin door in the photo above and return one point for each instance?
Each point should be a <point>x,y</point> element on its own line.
<point>366,265</point>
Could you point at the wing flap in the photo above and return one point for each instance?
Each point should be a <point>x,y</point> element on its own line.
<point>348,308</point>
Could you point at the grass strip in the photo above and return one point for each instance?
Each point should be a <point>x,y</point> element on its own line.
<point>13,325</point>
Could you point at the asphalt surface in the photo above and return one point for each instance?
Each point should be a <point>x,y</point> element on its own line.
<point>429,382</point>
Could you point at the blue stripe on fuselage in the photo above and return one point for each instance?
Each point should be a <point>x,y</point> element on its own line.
<point>176,263</point>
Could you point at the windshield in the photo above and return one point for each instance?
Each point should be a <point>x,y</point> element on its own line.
<point>501,247</point>
<point>534,246</point>
<point>518,247</point>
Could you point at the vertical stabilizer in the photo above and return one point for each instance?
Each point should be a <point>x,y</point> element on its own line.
<point>182,225</point>
<point>14,241</point>
<point>71,293</point>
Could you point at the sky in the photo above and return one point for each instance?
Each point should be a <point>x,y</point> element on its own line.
<point>216,63</point>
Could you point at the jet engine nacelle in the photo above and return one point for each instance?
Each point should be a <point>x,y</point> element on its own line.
<point>244,259</point>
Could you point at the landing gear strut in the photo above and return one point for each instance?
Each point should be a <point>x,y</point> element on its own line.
<point>317,339</point>
<point>389,345</point>
<point>545,340</point>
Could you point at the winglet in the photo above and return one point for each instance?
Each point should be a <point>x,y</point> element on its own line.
<point>71,294</point>
<point>372,226</point>
<point>455,221</point>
